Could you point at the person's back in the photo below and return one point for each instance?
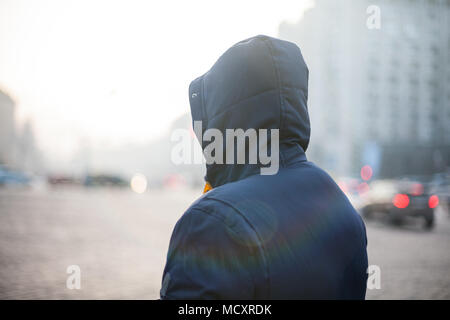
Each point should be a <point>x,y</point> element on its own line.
<point>288,235</point>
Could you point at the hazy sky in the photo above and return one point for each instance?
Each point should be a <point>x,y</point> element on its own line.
<point>117,71</point>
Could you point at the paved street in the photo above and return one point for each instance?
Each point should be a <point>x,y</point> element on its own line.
<point>119,239</point>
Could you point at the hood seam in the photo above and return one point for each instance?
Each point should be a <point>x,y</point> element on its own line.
<point>233,105</point>
<point>268,43</point>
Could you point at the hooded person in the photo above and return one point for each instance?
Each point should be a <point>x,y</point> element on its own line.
<point>289,234</point>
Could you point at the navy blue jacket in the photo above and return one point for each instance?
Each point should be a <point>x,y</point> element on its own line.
<point>292,235</point>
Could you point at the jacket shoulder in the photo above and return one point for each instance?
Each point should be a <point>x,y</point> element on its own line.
<point>214,205</point>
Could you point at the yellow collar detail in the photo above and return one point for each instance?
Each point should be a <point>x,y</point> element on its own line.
<point>207,187</point>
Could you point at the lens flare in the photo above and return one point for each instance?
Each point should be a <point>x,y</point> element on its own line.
<point>363,188</point>
<point>366,172</point>
<point>138,183</point>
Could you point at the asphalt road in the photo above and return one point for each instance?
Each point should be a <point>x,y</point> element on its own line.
<point>119,240</point>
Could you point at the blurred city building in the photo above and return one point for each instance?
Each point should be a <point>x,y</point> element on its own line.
<point>7,129</point>
<point>18,149</point>
<point>28,157</point>
<point>377,96</point>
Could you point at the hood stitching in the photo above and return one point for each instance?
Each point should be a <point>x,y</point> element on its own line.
<point>268,43</point>
<point>233,105</point>
<point>204,114</point>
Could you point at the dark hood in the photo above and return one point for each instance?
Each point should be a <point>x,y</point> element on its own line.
<point>259,83</point>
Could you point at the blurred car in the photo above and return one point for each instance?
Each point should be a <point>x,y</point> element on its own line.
<point>104,180</point>
<point>398,200</point>
<point>62,180</point>
<point>12,178</point>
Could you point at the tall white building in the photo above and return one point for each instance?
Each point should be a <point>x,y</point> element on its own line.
<point>377,95</point>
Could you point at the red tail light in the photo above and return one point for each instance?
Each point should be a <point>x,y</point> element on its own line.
<point>401,200</point>
<point>433,201</point>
